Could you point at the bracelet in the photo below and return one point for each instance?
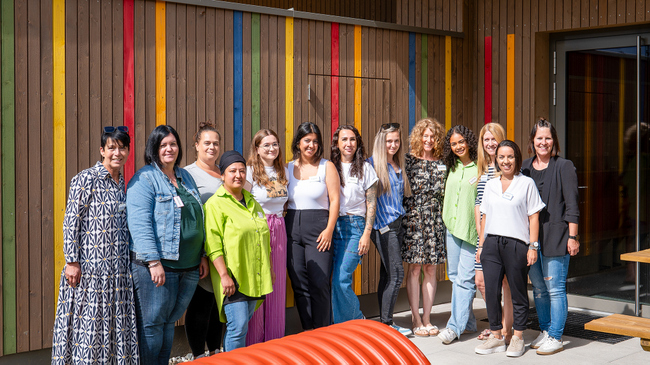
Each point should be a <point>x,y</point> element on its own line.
<point>154,264</point>
<point>480,246</point>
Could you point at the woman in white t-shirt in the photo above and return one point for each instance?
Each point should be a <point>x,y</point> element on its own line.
<point>358,205</point>
<point>266,179</point>
<point>508,245</point>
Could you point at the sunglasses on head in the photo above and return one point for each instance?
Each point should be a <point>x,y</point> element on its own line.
<point>111,129</point>
<point>390,125</point>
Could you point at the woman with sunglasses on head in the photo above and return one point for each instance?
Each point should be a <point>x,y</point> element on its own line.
<point>489,138</point>
<point>95,314</point>
<point>458,214</point>
<point>508,245</point>
<point>313,207</point>
<point>266,179</point>
<point>351,238</point>
<point>166,224</point>
<point>202,325</point>
<point>388,231</point>
<point>557,182</point>
<point>424,241</point>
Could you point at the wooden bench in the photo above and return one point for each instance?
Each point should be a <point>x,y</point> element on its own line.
<point>621,324</point>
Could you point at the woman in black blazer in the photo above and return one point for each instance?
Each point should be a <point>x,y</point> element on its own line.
<point>557,182</point>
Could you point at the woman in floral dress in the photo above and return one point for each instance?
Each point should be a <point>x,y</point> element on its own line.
<point>95,315</point>
<point>424,242</point>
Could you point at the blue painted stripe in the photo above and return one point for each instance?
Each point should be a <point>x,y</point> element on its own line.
<point>238,87</point>
<point>411,81</point>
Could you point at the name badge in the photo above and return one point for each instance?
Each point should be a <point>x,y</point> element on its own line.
<point>442,168</point>
<point>260,215</point>
<point>314,178</point>
<point>121,207</point>
<point>472,180</point>
<point>353,180</point>
<point>383,230</point>
<point>484,178</point>
<point>178,201</point>
<point>507,196</point>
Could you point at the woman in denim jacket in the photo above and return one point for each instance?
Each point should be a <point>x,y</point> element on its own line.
<point>165,220</point>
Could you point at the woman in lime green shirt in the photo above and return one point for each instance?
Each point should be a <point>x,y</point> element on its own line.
<point>238,245</point>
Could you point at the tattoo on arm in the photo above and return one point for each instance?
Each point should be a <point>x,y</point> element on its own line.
<point>371,206</point>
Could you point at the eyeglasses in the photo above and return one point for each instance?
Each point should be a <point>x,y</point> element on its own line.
<point>390,125</point>
<point>111,129</point>
<point>267,147</point>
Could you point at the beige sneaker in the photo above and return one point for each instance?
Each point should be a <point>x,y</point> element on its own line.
<point>516,347</point>
<point>491,345</point>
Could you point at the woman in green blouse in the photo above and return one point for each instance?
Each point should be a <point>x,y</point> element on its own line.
<point>238,245</point>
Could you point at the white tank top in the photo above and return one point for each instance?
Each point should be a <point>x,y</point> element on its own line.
<point>310,193</point>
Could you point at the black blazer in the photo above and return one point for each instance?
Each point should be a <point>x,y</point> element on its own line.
<point>560,194</point>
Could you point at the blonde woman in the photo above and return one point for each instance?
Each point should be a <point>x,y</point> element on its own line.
<point>489,138</point>
<point>424,241</point>
<point>388,232</point>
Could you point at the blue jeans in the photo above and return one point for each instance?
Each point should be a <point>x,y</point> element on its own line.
<point>460,270</point>
<point>158,308</point>
<point>550,294</point>
<point>237,316</point>
<point>347,233</point>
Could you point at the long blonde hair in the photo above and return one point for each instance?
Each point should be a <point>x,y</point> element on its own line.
<point>255,161</point>
<point>484,159</point>
<point>380,160</point>
<point>415,140</point>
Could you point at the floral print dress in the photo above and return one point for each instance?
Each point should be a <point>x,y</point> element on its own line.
<point>95,321</point>
<point>424,241</point>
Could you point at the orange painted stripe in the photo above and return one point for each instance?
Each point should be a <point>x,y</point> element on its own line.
<point>161,86</point>
<point>510,88</point>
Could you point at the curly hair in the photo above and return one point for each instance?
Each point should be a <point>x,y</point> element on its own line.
<point>255,161</point>
<point>356,169</point>
<point>415,140</point>
<point>449,157</point>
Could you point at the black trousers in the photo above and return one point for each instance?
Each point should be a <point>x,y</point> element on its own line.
<point>309,269</point>
<point>202,324</point>
<point>504,255</point>
<point>391,273</point>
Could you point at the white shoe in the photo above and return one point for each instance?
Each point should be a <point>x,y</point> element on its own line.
<point>541,338</point>
<point>491,345</point>
<point>550,346</point>
<point>447,336</point>
<point>516,347</point>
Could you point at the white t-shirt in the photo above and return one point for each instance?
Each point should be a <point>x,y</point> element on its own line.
<point>508,212</point>
<point>353,194</point>
<point>271,199</point>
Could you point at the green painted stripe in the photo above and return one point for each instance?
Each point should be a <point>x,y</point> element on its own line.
<point>8,179</point>
<point>255,70</point>
<point>425,75</point>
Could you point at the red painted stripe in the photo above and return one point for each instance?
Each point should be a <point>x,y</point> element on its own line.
<point>488,80</point>
<point>335,79</point>
<point>129,81</point>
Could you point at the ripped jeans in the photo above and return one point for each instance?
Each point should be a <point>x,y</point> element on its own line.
<point>548,276</point>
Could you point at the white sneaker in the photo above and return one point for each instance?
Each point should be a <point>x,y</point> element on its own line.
<point>541,338</point>
<point>516,347</point>
<point>491,345</point>
<point>550,346</point>
<point>447,336</point>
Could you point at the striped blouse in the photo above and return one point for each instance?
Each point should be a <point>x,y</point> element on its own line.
<point>390,206</point>
<point>481,184</point>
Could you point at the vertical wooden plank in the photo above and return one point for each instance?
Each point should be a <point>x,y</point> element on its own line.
<point>117,82</point>
<point>255,74</point>
<point>585,13</point>
<point>517,64</point>
<point>180,101</point>
<point>171,73</point>
<point>298,99</point>
<point>238,64</point>
<point>343,71</point>
<point>161,89</point>
<point>229,86</point>
<point>288,92</point>
<point>630,11</point>
<point>620,11</point>
<point>274,25</point>
<point>357,76</point>
<point>410,76</point>
<point>511,87</point>
<point>264,72</point>
<point>214,66</point>
<point>201,57</point>
<point>190,102</point>
<point>306,50</point>
<point>394,80</point>
<point>488,80</point>
<point>448,95</point>
<point>327,87</point>
<point>431,80</point>
<point>559,14</point>
<point>106,47</point>
<point>279,88</point>
<point>128,81</point>
<point>334,35</point>
<point>452,14</point>
<point>71,87</point>
<point>640,10</point>
<point>502,51</point>
<point>424,93</point>
<point>496,69</point>
<point>525,82</point>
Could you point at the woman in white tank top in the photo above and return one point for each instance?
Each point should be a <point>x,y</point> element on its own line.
<point>313,209</point>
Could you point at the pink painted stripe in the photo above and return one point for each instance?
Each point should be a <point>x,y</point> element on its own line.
<point>268,321</point>
<point>335,79</point>
<point>129,81</point>
<point>488,80</point>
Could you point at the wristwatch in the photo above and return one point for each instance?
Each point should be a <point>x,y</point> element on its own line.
<point>576,237</point>
<point>533,245</point>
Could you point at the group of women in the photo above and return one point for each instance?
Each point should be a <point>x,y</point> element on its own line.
<point>215,237</point>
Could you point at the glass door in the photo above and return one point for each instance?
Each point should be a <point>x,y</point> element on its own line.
<point>596,115</point>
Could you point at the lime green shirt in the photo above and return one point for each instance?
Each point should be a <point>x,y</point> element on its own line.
<point>241,235</point>
<point>458,208</point>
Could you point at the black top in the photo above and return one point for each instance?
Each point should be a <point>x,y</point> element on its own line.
<point>538,176</point>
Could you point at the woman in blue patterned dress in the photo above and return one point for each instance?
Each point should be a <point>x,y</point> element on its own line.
<point>95,316</point>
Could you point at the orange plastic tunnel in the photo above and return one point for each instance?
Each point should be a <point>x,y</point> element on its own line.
<point>353,342</point>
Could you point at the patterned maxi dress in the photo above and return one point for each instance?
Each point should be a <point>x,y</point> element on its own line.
<point>424,241</point>
<point>95,322</point>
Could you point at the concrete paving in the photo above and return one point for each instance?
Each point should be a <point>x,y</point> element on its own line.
<point>576,351</point>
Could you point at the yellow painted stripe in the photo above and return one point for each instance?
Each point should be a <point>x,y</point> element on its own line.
<point>161,86</point>
<point>510,88</point>
<point>58,99</point>
<point>288,112</point>
<point>447,82</point>
<point>357,77</point>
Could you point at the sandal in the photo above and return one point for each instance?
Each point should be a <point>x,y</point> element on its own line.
<point>485,334</point>
<point>421,332</point>
<point>433,330</point>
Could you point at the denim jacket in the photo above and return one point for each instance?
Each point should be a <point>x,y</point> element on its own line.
<point>154,219</point>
